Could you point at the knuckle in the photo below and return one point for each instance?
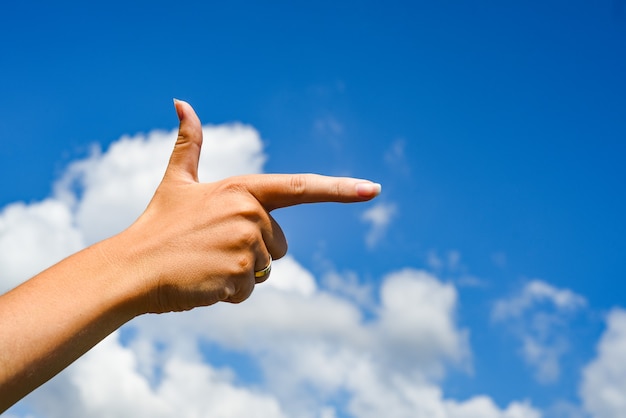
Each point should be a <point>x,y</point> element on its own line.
<point>241,290</point>
<point>239,200</point>
<point>298,184</point>
<point>248,235</point>
<point>250,210</point>
<point>227,291</point>
<point>245,264</point>
<point>231,185</point>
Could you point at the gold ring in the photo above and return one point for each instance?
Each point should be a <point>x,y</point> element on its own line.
<point>264,272</point>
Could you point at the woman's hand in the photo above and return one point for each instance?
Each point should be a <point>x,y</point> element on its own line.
<point>200,243</point>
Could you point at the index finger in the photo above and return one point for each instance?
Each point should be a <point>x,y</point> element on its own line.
<point>281,190</point>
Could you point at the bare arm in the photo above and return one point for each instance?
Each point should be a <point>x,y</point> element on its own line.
<point>196,244</point>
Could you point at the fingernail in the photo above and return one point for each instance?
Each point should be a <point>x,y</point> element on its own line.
<point>368,189</point>
<point>178,112</point>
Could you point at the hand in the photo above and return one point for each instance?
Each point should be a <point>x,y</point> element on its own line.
<point>200,243</point>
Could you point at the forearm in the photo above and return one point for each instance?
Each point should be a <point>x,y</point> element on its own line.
<point>52,319</point>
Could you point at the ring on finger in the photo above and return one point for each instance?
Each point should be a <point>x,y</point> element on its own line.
<point>264,272</point>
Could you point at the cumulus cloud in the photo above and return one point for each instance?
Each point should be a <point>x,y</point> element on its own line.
<point>538,317</point>
<point>604,379</point>
<point>107,382</point>
<point>417,312</point>
<point>299,350</point>
<point>379,217</point>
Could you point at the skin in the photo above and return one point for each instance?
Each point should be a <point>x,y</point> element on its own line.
<point>196,244</point>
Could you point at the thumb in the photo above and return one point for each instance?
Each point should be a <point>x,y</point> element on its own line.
<point>183,163</point>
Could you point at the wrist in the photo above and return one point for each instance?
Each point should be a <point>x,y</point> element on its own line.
<point>128,272</point>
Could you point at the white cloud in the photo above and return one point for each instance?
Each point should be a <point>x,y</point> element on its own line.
<point>404,399</point>
<point>565,409</point>
<point>347,285</point>
<point>603,385</point>
<point>544,356</point>
<point>536,292</point>
<point>417,313</point>
<point>106,382</point>
<point>484,407</point>
<point>379,217</point>
<point>288,275</point>
<point>538,317</point>
<point>314,351</point>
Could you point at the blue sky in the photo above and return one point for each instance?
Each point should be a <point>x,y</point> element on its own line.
<point>497,130</point>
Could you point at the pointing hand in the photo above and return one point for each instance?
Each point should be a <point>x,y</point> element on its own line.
<point>204,241</point>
